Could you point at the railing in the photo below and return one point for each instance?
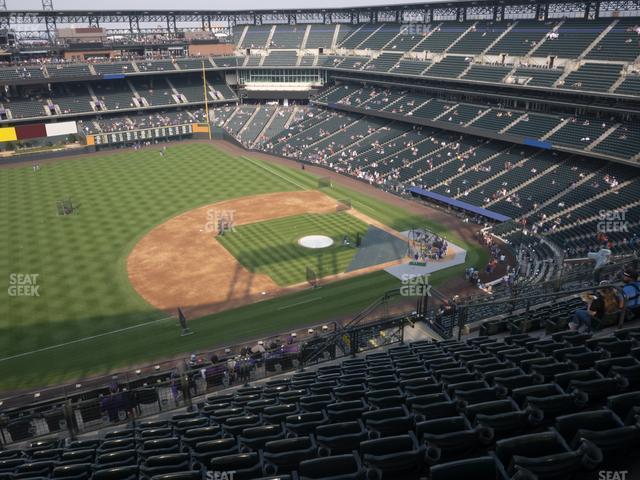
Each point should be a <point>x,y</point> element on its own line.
<point>521,297</point>
<point>133,395</point>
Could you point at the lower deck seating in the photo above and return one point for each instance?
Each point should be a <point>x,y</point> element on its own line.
<point>482,408</point>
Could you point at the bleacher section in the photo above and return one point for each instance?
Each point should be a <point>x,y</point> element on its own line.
<point>486,73</point>
<point>113,68</point>
<point>479,38</point>
<point>320,36</point>
<point>57,71</point>
<point>156,66</point>
<point>579,135</point>
<point>288,36</point>
<point>155,90</point>
<point>442,36</point>
<point>524,35</point>
<point>597,77</point>
<point>450,67</point>
<point>619,44</point>
<point>573,38</point>
<point>286,58</point>
<point>256,36</point>
<point>381,37</point>
<point>512,401</point>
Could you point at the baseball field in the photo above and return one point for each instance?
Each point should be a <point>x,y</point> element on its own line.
<point>70,305</point>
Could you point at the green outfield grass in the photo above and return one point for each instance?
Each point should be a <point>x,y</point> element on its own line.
<point>271,247</point>
<point>85,300</point>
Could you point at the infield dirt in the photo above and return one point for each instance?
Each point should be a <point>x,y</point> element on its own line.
<point>180,263</point>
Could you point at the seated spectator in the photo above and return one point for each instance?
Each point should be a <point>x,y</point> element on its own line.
<point>605,302</point>
<point>631,292</point>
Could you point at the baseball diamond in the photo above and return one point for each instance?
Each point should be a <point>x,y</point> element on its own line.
<point>321,242</point>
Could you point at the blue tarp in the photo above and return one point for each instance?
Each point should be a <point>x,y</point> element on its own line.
<point>534,142</point>
<point>459,204</point>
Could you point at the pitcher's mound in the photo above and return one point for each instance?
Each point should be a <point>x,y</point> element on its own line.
<point>315,241</point>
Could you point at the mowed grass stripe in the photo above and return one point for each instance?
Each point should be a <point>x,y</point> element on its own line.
<point>271,247</point>
<point>81,259</point>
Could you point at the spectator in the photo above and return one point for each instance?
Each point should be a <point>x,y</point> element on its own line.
<point>601,258</point>
<point>631,292</point>
<point>605,302</point>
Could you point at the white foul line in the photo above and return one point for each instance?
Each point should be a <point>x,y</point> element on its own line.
<point>276,173</point>
<point>80,340</point>
<point>299,303</point>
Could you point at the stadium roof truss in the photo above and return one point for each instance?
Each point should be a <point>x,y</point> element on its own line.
<point>28,22</point>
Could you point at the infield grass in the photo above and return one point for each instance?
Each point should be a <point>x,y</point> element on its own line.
<point>271,247</point>
<point>85,299</point>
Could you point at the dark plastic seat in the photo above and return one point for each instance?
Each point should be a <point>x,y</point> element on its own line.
<point>116,445</point>
<point>625,405</point>
<point>151,433</point>
<point>389,421</point>
<point>631,374</point>
<point>52,454</point>
<point>9,465</point>
<point>203,452</point>
<point>550,399</point>
<point>397,457</point>
<point>480,468</point>
<point>184,425</point>
<point>117,473</point>
<point>283,456</point>
<point>159,446</point>
<point>339,438</point>
<point>547,455</point>
<point>305,423</point>
<point>563,379</point>
<point>503,417</point>
<point>87,455</point>
<point>602,427</point>
<point>598,388</point>
<point>118,458</point>
<point>185,475</point>
<point>346,411</point>
<point>278,413</point>
<point>202,434</point>
<point>162,464</point>
<point>337,467</point>
<point>314,403</point>
<point>255,438</point>
<point>244,465</point>
<point>34,469</point>
<point>515,381</point>
<point>256,407</point>
<point>121,433</point>
<point>604,366</point>
<point>78,471</point>
<point>452,437</point>
<point>385,398</point>
<point>235,425</point>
